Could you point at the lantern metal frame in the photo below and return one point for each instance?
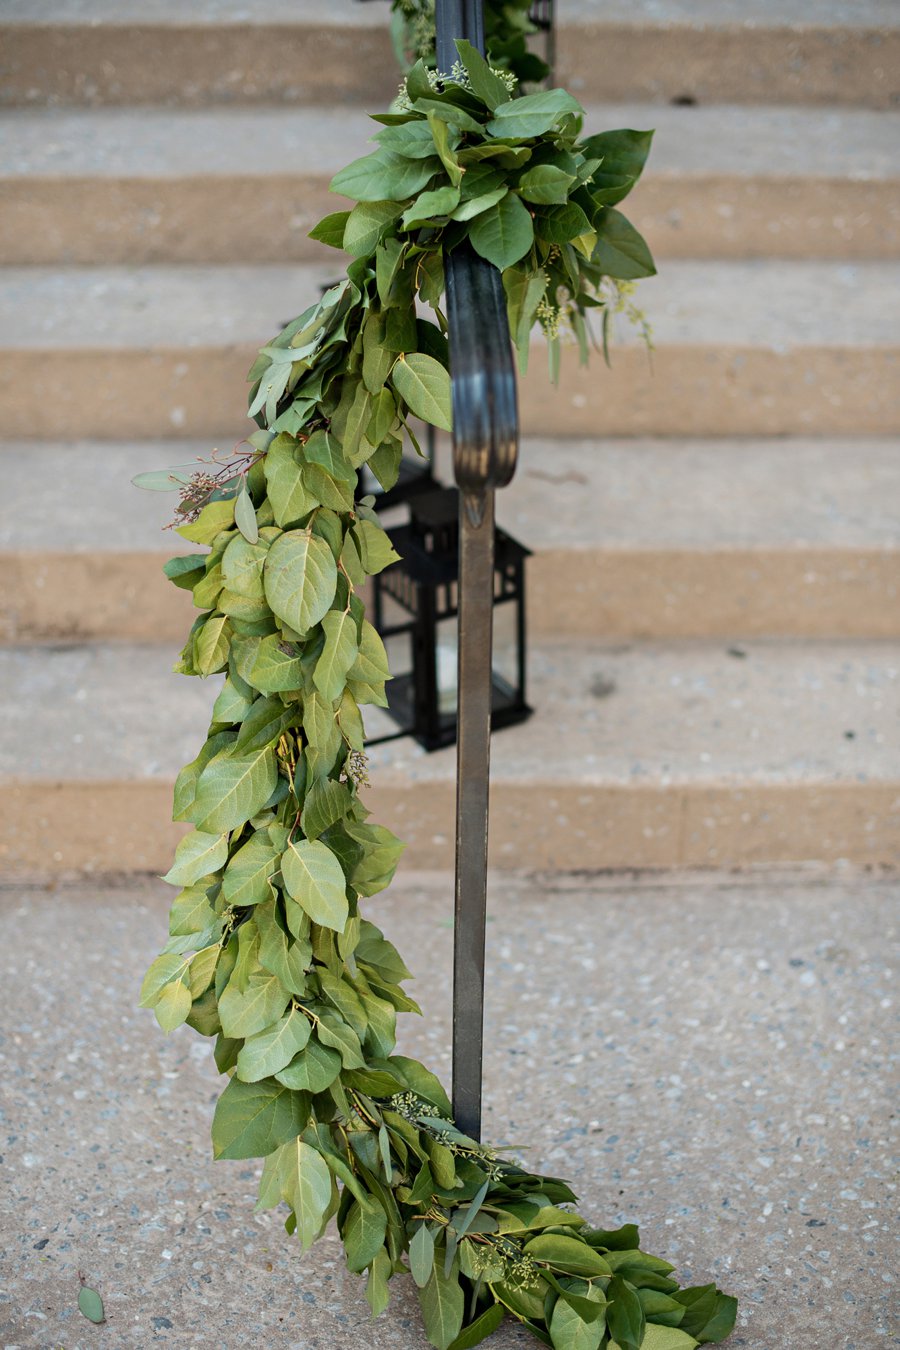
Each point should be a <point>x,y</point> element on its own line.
<point>425,585</point>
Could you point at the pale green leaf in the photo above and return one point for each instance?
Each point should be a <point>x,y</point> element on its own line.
<point>90,1305</point>
<point>253,1119</point>
<point>245,516</point>
<point>198,854</point>
<point>421,1254</point>
<point>425,386</point>
<point>244,1013</point>
<point>313,876</point>
<point>232,788</point>
<point>338,654</point>
<point>300,579</point>
<point>265,1053</point>
<point>313,1069</point>
<point>249,872</point>
<point>443,1306</point>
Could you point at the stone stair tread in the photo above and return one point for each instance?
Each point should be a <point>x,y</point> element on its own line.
<point>760,304</point>
<point>858,144</point>
<point>626,717</point>
<point>693,495</point>
<point>694,13</point>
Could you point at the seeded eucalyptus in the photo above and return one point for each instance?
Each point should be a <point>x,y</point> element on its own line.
<point>269,953</point>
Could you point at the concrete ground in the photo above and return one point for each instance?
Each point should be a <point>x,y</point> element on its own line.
<point>706,1055</point>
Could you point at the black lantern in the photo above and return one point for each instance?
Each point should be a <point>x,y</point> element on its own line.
<point>415,609</point>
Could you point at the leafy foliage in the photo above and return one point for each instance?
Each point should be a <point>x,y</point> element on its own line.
<point>270,953</point>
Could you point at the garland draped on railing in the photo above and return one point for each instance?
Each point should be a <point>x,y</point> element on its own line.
<point>269,951</point>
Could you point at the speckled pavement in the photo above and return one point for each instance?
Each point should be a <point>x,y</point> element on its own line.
<point>706,1055</point>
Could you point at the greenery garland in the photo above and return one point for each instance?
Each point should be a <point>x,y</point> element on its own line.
<point>269,951</point>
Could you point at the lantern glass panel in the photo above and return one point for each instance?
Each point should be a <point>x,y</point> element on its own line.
<point>504,661</point>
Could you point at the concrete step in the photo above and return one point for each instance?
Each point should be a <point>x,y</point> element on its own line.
<point>139,185</point>
<point>631,539</point>
<point>679,755</point>
<point>275,51</point>
<point>742,349</point>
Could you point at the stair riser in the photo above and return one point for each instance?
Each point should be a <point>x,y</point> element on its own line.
<point>730,64</point>
<point>628,595</point>
<point>196,65</point>
<point>686,390</point>
<point>64,829</point>
<point>263,219</point>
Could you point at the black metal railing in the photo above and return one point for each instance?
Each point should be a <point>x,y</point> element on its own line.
<point>485,446</point>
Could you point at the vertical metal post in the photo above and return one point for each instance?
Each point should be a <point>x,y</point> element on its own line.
<point>476,613</point>
<point>485,444</point>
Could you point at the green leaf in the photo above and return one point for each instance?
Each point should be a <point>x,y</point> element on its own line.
<point>212,520</point>
<point>666,1338</point>
<point>265,1053</point>
<point>330,229</point>
<point>384,176</point>
<point>242,566</point>
<point>568,1254</point>
<point>624,1315</point>
<point>532,115</point>
<point>376,552</point>
<point>421,1254</point>
<point>313,1070</point>
<point>279,954</point>
<point>425,386</point>
<point>248,875</point>
<point>485,84</point>
<point>173,1005</point>
<point>244,1013</point>
<point>300,579</point>
<point>326,802</point>
<point>334,1032</point>
<point>276,670</point>
<point>546,184</point>
<point>211,645</point>
<point>363,1233</point>
<point>574,1332</point>
<point>171,480</point>
<point>307,1188</point>
<point>367,223</point>
<point>268,717</point>
<point>232,788</point>
<point>90,1305</point>
<point>429,206</point>
<point>290,496</point>
<point>313,877</point>
<point>370,665</point>
<point>475,206</point>
<point>442,1307</point>
<point>253,1119</point>
<point>377,1293</point>
<point>479,1330</point>
<point>620,251</point>
<point>198,855</point>
<point>441,133</point>
<point>504,233</point>
<point>338,654</point>
<point>245,516</point>
<point>721,1323</point>
<point>622,154</point>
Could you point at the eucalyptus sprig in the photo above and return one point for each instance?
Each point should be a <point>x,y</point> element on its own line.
<point>269,950</point>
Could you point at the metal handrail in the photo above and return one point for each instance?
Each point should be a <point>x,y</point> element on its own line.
<point>485,446</point>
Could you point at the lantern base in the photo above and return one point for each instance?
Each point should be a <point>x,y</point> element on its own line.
<point>506,710</point>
